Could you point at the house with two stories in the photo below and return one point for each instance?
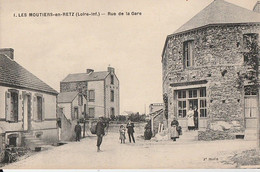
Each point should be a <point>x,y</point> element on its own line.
<point>27,106</point>
<point>100,88</point>
<point>203,62</point>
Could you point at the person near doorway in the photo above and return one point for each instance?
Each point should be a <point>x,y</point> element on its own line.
<point>196,118</point>
<point>173,130</point>
<point>190,116</point>
<point>100,131</point>
<point>78,131</point>
<point>130,131</point>
<point>122,133</point>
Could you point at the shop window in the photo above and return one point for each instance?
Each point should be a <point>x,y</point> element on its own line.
<point>196,97</point>
<point>203,108</point>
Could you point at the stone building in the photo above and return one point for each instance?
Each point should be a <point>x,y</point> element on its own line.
<point>100,88</point>
<point>27,106</point>
<point>203,62</point>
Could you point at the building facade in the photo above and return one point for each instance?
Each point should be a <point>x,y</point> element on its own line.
<point>101,89</point>
<point>203,63</point>
<point>27,106</point>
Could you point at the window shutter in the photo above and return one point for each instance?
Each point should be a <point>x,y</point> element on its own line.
<point>7,106</point>
<point>43,108</point>
<point>20,107</point>
<point>35,118</point>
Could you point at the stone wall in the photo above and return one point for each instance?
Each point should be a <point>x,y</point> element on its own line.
<point>218,59</point>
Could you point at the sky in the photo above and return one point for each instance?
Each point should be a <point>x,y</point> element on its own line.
<point>53,47</point>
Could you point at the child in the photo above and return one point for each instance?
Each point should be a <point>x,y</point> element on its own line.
<point>122,133</point>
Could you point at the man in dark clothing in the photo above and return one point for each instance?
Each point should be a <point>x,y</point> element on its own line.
<point>100,129</point>
<point>78,131</point>
<point>130,130</point>
<point>196,118</point>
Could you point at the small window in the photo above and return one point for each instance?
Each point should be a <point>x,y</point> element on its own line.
<point>39,108</point>
<point>181,94</point>
<point>80,100</point>
<point>76,113</point>
<point>91,97</point>
<point>112,96</point>
<point>188,53</point>
<point>112,79</point>
<point>112,112</point>
<point>91,112</point>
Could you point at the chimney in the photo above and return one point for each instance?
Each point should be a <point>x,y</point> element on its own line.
<point>8,52</point>
<point>111,69</point>
<point>89,71</point>
<point>257,7</point>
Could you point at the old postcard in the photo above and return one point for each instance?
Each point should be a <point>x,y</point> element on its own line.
<point>140,84</point>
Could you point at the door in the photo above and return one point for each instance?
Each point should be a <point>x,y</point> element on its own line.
<point>251,111</point>
<point>27,113</point>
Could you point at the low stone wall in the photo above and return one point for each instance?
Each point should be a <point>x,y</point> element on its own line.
<point>215,135</point>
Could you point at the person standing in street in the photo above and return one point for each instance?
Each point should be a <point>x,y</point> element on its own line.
<point>130,130</point>
<point>196,118</point>
<point>100,131</point>
<point>174,129</point>
<point>78,131</point>
<point>190,116</point>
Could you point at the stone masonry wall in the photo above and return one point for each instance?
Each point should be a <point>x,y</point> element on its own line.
<point>218,59</point>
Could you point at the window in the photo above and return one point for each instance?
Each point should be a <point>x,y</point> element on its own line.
<point>91,112</point>
<point>203,108</point>
<point>112,112</point>
<point>112,79</point>
<point>91,97</point>
<point>192,93</point>
<point>112,95</point>
<point>76,113</point>
<point>188,53</point>
<point>203,92</point>
<point>251,107</point>
<point>39,108</point>
<point>182,109</point>
<point>14,107</point>
<point>80,100</point>
<point>191,98</point>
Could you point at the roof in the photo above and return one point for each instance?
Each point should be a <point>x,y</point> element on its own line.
<point>220,12</point>
<point>67,97</point>
<point>94,76</point>
<point>14,75</point>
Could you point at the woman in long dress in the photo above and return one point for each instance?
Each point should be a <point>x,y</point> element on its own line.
<point>173,130</point>
<point>190,116</point>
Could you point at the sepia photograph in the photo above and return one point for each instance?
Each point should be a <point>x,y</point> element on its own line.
<point>129,84</point>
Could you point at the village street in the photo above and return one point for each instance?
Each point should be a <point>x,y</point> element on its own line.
<point>142,154</point>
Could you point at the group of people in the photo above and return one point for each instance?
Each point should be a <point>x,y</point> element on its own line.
<point>192,116</point>
<point>100,132</point>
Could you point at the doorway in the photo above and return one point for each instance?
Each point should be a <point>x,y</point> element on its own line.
<point>27,113</point>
